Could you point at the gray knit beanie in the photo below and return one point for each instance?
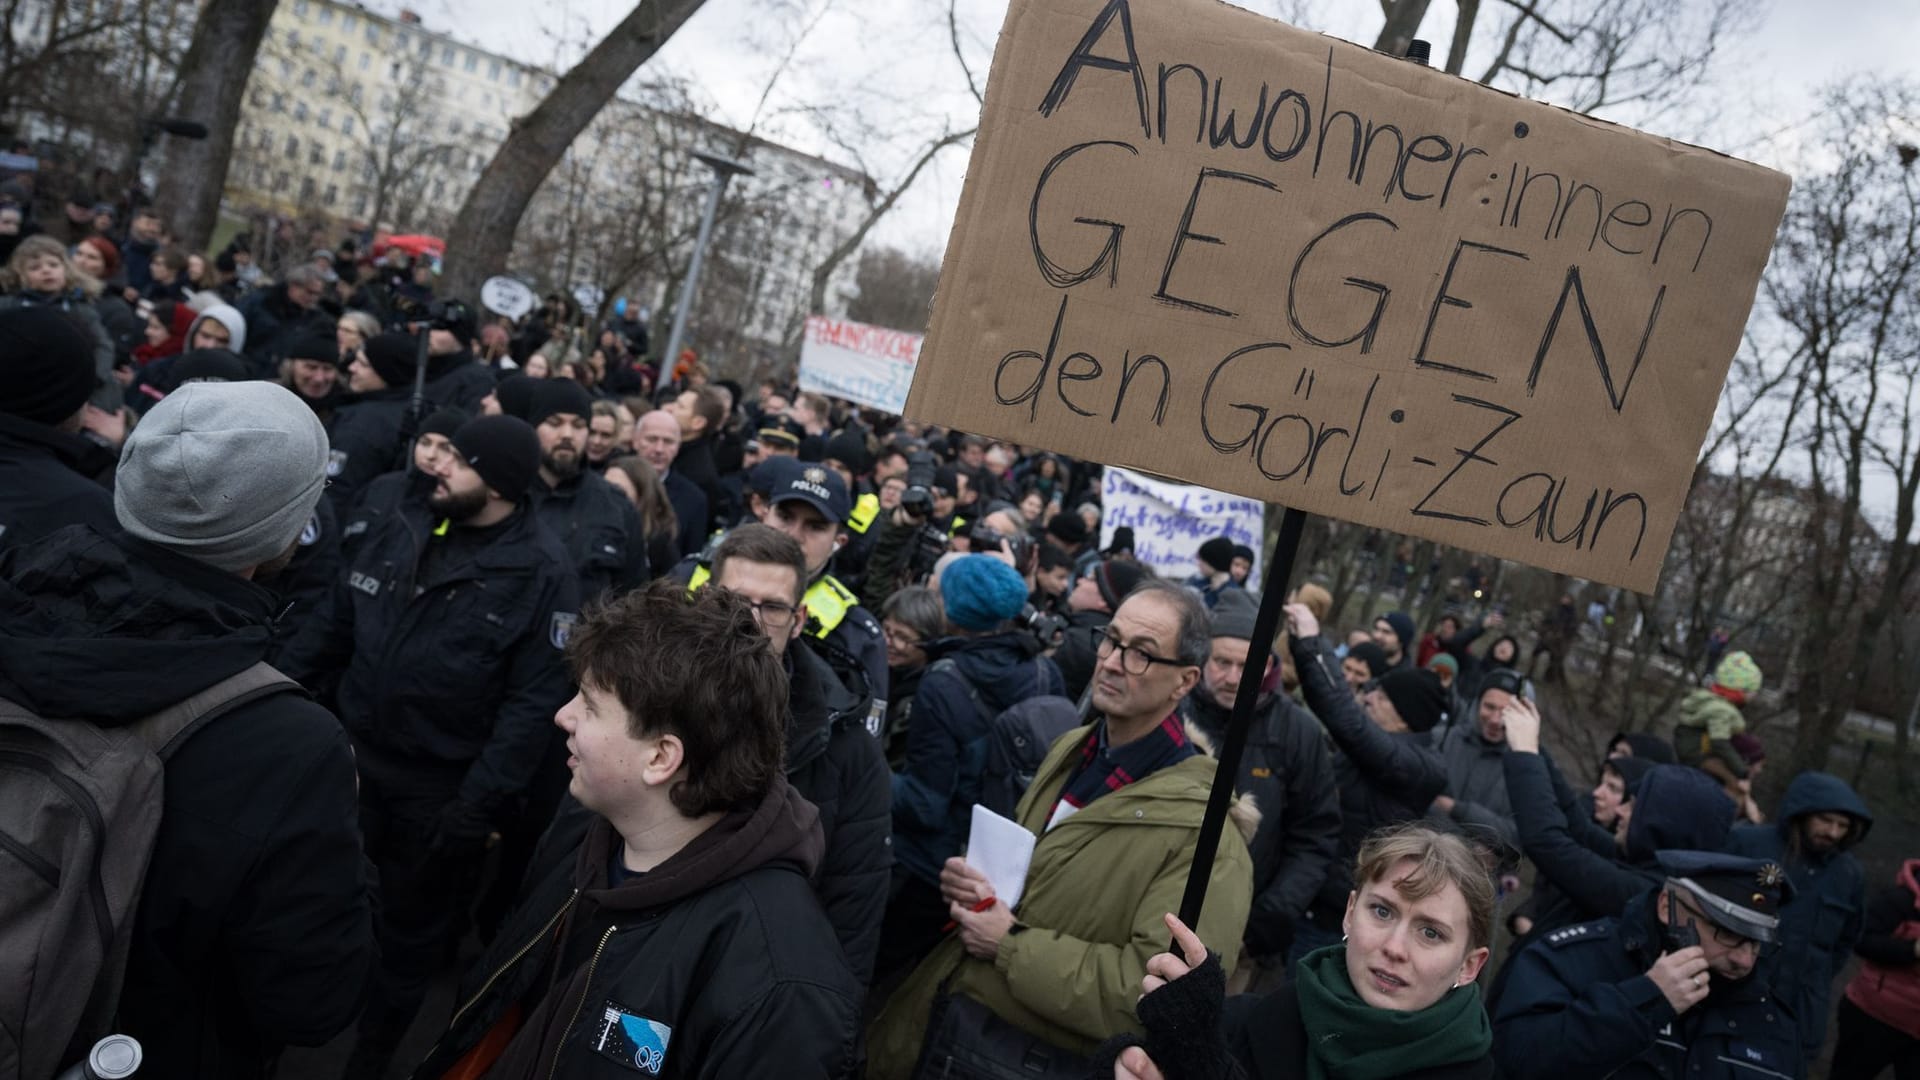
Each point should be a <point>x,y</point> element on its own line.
<point>226,473</point>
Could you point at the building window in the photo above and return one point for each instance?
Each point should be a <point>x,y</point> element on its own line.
<point>446,55</point>
<point>473,61</point>
<point>326,15</point>
<point>316,154</point>
<point>339,160</point>
<point>493,71</point>
<point>348,22</point>
<point>373,33</point>
<point>325,118</point>
<point>300,112</point>
<point>279,103</point>
<point>426,45</point>
<point>456,125</point>
<point>306,79</point>
<point>513,77</point>
<point>333,194</point>
<point>293,39</point>
<point>366,61</point>
<point>282,180</point>
<point>293,147</point>
<point>339,54</point>
<point>346,125</point>
<point>306,189</point>
<point>300,8</point>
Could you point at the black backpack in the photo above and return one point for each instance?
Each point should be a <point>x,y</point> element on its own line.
<point>1018,739</point>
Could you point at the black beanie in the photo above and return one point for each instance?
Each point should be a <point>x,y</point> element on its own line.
<point>849,449</point>
<point>503,450</point>
<point>444,422</point>
<point>1217,553</point>
<point>1070,529</point>
<point>558,396</point>
<point>1115,578</point>
<point>392,358</point>
<point>317,346</point>
<point>47,365</point>
<point>221,365</point>
<point>515,394</point>
<point>1417,696</point>
<point>1369,654</point>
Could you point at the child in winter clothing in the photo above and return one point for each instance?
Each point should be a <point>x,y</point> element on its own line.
<point>1710,718</point>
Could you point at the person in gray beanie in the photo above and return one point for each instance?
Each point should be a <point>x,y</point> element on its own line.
<point>1287,770</point>
<point>445,630</point>
<point>225,473</point>
<point>254,927</point>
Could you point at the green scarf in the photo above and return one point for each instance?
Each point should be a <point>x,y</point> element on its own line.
<point>1350,1039</point>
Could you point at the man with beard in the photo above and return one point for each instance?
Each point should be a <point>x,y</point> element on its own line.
<point>1288,772</point>
<point>599,526</point>
<point>1821,818</point>
<point>446,631</point>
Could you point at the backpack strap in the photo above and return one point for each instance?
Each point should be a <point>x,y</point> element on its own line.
<point>170,728</point>
<point>946,663</point>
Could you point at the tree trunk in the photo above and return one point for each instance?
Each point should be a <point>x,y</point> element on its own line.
<point>1403,23</point>
<point>213,81</point>
<point>482,233</point>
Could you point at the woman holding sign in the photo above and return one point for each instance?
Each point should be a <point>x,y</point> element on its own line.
<point>1396,998</point>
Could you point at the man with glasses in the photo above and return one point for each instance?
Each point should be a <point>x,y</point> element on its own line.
<point>275,315</point>
<point>832,759</point>
<point>1675,986</point>
<point>1116,809</point>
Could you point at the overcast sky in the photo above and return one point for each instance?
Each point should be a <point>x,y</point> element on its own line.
<point>888,62</point>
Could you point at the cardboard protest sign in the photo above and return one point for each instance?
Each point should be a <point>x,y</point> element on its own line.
<point>1198,242</point>
<point>1171,521</point>
<point>867,365</point>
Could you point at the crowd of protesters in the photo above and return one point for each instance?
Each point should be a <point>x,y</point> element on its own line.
<point>678,697</point>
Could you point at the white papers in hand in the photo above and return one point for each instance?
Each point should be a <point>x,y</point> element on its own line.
<point>1002,850</point>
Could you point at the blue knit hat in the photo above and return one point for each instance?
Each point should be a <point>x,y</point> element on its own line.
<point>981,592</point>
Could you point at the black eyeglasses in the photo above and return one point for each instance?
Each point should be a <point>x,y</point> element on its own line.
<point>773,614</point>
<point>1723,937</point>
<point>1134,660</point>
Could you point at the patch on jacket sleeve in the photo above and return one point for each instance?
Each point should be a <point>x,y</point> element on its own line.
<point>561,628</point>
<point>631,1040</point>
<point>336,463</point>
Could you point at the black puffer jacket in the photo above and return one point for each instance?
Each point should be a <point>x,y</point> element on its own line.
<point>48,480</point>
<point>835,762</point>
<point>1383,779</point>
<point>1286,769</point>
<point>255,928</point>
<point>600,529</point>
<point>366,435</point>
<point>716,963</point>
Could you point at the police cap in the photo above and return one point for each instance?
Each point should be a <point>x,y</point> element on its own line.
<point>1737,894</point>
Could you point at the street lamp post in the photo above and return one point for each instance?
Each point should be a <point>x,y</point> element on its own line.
<point>723,171</point>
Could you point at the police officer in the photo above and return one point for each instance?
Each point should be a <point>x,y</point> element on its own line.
<point>846,455</point>
<point>1673,987</point>
<point>446,629</point>
<point>809,503</point>
<point>380,498</point>
<point>365,433</point>
<point>599,527</point>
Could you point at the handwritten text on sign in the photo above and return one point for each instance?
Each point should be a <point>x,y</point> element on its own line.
<point>1221,249</point>
<point>1171,521</point>
<point>867,365</point>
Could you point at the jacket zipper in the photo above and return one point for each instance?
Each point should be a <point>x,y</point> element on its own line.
<point>512,960</point>
<point>554,1069</point>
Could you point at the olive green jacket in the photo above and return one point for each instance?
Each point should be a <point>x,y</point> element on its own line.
<point>1097,890</point>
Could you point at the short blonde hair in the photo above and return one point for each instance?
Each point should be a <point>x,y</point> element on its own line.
<point>1441,859</point>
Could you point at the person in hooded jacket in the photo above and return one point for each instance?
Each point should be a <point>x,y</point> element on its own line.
<point>675,934</point>
<point>254,927</point>
<point>1285,767</point>
<point>980,671</point>
<point>367,431</point>
<point>1474,747</point>
<point>1596,871</point>
<point>454,376</point>
<point>833,759</point>
<point>1880,1014</point>
<point>1384,768</point>
<point>278,313</point>
<point>1821,819</point>
<point>52,472</point>
<point>218,327</point>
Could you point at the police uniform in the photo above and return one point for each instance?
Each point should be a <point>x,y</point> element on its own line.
<point>601,531</point>
<point>1581,1004</point>
<point>834,614</point>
